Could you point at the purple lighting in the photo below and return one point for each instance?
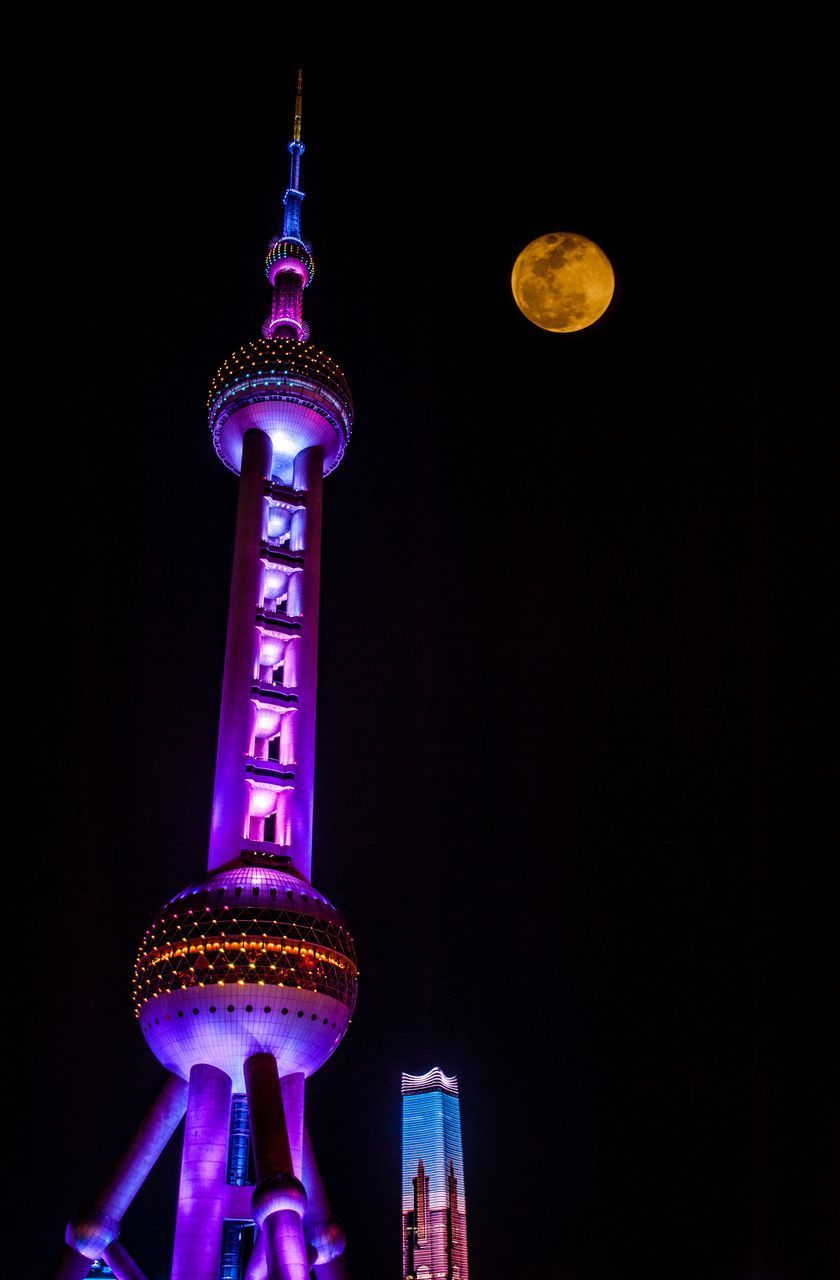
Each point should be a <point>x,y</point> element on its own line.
<point>246,981</point>
<point>269,720</point>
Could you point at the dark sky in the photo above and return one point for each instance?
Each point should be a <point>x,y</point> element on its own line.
<point>567,790</point>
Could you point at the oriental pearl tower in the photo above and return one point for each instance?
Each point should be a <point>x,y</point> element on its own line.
<point>246,980</point>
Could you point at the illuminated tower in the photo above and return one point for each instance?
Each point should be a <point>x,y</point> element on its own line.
<point>434,1210</point>
<point>246,980</point>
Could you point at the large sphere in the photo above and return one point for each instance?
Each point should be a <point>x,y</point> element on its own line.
<point>292,391</point>
<point>250,960</point>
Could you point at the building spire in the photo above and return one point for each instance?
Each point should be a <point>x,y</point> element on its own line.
<point>289,264</point>
<point>293,198</point>
<point>298,106</point>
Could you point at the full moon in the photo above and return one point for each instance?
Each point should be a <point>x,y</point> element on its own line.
<point>562,282</point>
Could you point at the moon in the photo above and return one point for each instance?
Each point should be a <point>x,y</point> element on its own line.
<point>562,282</point>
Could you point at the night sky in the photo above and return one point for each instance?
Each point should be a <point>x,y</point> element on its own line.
<point>567,621</point>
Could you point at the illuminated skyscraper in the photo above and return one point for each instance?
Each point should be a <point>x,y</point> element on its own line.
<point>434,1210</point>
<point>246,980</point>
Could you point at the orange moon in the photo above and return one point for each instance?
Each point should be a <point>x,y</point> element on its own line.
<point>562,282</point>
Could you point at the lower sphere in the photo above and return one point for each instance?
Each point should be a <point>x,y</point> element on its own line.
<point>250,960</point>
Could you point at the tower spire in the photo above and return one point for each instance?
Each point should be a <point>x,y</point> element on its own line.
<point>298,106</point>
<point>289,264</point>
<point>293,198</point>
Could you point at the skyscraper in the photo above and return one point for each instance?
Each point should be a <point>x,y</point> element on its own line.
<point>434,1210</point>
<point>246,980</point>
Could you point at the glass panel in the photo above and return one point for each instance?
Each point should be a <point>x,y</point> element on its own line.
<point>239,1148</point>
<point>237,1243</point>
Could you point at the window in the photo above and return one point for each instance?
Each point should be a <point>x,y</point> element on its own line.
<point>237,1243</point>
<point>239,1145</point>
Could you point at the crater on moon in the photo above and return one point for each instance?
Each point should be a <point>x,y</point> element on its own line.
<point>562,282</point>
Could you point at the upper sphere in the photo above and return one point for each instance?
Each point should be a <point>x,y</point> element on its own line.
<point>287,253</point>
<point>249,960</point>
<point>293,391</point>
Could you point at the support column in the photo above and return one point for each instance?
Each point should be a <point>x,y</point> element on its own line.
<point>230,792</point>
<point>121,1263</point>
<point>324,1234</point>
<point>279,1201</point>
<point>290,663</point>
<point>257,1268</point>
<point>71,1265</point>
<point>309,476</point>
<point>287,738</point>
<point>282,824</point>
<point>89,1233</point>
<point>292,1092</point>
<point>201,1199</point>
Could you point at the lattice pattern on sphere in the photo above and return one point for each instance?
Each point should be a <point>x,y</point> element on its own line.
<point>282,358</point>
<point>258,941</point>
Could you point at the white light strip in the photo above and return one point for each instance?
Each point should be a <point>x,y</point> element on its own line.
<point>431,1080</point>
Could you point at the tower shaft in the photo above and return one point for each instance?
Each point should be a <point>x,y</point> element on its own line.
<point>265,764</point>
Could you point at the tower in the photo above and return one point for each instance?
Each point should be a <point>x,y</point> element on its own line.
<point>434,1211</point>
<point>246,980</point>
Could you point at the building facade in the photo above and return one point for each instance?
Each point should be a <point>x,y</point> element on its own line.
<point>246,980</point>
<point>434,1214</point>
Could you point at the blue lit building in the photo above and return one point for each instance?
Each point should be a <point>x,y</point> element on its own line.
<point>434,1211</point>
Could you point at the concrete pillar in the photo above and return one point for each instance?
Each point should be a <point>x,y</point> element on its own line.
<point>252,710</point>
<point>308,475</point>
<point>201,1199</point>
<point>294,602</point>
<point>230,793</point>
<point>290,663</point>
<point>291,1089</point>
<point>269,1137</point>
<point>284,1247</point>
<point>89,1233</point>
<point>71,1265</point>
<point>121,1263</point>
<point>298,530</point>
<point>323,1233</point>
<point>142,1152</point>
<point>279,1201</point>
<point>257,1268</point>
<point>282,828</point>
<point>287,738</point>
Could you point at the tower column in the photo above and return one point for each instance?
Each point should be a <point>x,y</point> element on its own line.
<point>324,1234</point>
<point>309,476</point>
<point>90,1233</point>
<point>279,1200</point>
<point>292,1093</point>
<point>121,1263</point>
<point>230,792</point>
<point>201,1199</point>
